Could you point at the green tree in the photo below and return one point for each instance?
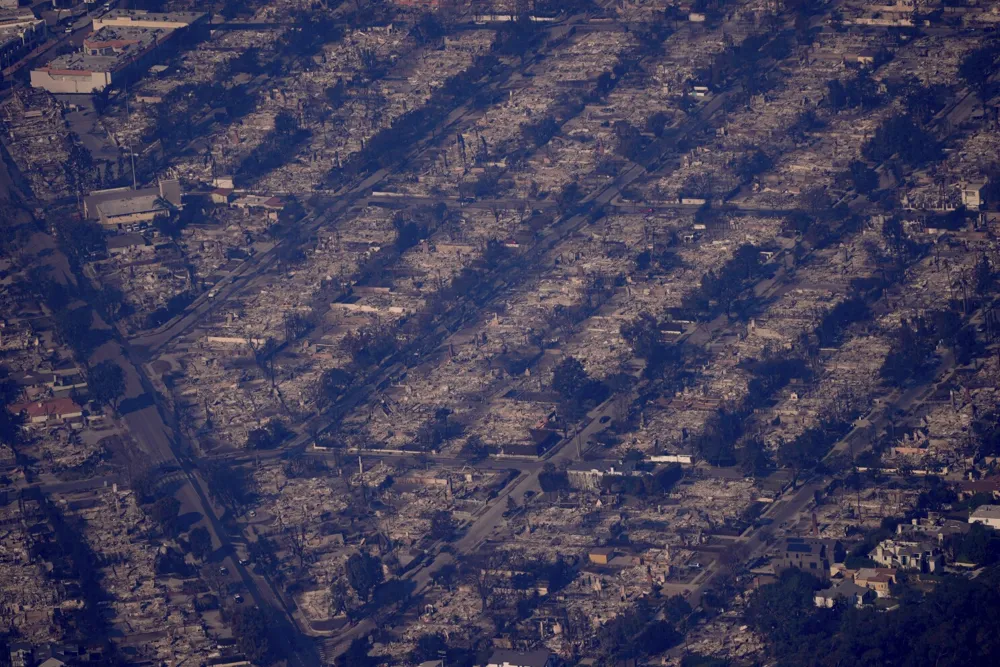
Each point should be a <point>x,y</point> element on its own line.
<point>429,647</point>
<point>251,630</point>
<point>657,123</point>
<point>908,355</point>
<point>106,383</point>
<point>79,167</point>
<point>336,94</point>
<point>475,449</point>
<point>643,335</point>
<point>233,488</point>
<point>200,542</point>
<point>356,655</point>
<point>81,240</point>
<point>676,609</point>
<point>981,545</point>
<point>164,512</point>
<point>332,383</point>
<point>895,238</point>
<point>569,378</point>
<point>442,525</point>
<point>73,329</point>
<point>864,178</point>
<point>783,611</point>
<point>553,480</point>
<point>569,197</point>
<point>364,574</point>
<point>269,436</point>
<point>754,460</point>
<point>900,135</point>
<point>11,424</point>
<point>977,66</point>
<point>541,133</point>
<point>752,163</point>
<point>263,553</point>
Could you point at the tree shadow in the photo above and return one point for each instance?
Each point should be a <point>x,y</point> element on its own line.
<point>140,402</point>
<point>187,520</point>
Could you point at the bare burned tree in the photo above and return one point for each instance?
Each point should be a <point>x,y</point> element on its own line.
<point>297,542</point>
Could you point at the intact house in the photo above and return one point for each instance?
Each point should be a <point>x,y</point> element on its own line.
<point>933,527</point>
<point>125,208</point>
<point>878,579</point>
<point>988,515</point>
<point>55,410</point>
<point>847,591</point>
<point>973,194</point>
<point>909,555</point>
<point>809,554</point>
<point>988,485</point>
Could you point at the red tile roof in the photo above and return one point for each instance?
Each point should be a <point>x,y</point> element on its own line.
<point>56,407</point>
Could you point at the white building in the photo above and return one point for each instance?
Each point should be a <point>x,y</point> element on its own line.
<point>123,208</point>
<point>908,555</point>
<point>988,515</point>
<point>972,195</point>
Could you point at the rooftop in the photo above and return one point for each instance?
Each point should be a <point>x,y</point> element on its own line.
<point>536,658</point>
<point>843,589</point>
<point>17,16</point>
<point>986,512</point>
<point>127,206</point>
<point>127,48</point>
<point>13,24</point>
<point>55,406</point>
<point>124,201</point>
<point>85,63</point>
<point>126,241</point>
<point>138,15</point>
<point>123,34</point>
